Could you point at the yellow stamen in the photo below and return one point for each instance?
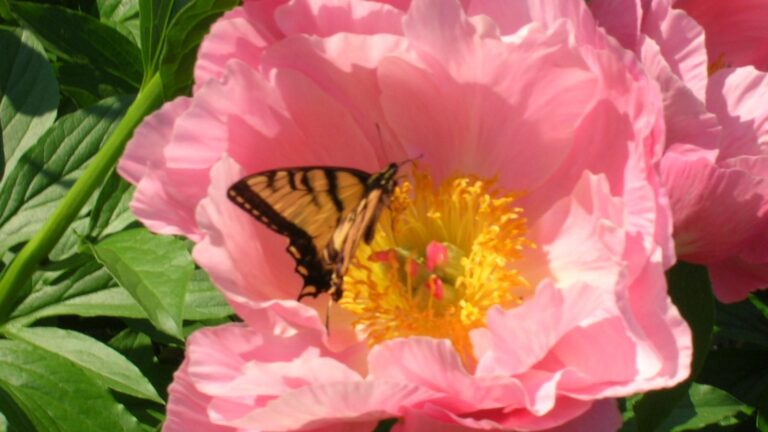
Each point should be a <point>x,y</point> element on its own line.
<point>394,293</point>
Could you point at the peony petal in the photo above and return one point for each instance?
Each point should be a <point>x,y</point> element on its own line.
<point>328,404</point>
<point>239,34</point>
<point>589,220</point>
<point>187,406</point>
<point>164,204</point>
<point>619,19</point>
<point>681,41</point>
<point>604,415</point>
<point>417,421</point>
<point>344,67</point>
<point>328,17</point>
<point>694,184</point>
<point>737,97</point>
<point>508,16</point>
<point>734,279</point>
<point>467,104</point>
<point>434,364</point>
<point>519,337</point>
<point>686,117</point>
<point>229,372</point>
<point>736,29</point>
<point>505,419</point>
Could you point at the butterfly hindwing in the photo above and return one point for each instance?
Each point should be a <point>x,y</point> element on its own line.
<point>359,226</point>
<point>320,210</point>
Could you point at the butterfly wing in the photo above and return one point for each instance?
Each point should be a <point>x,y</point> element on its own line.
<point>358,226</point>
<point>308,206</point>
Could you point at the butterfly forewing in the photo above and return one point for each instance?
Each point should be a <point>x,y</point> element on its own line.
<point>308,206</point>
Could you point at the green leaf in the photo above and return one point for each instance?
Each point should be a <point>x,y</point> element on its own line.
<point>5,10</point>
<point>139,349</point>
<point>183,38</point>
<point>690,291</point>
<point>103,362</point>
<point>759,305</point>
<point>155,15</point>
<point>29,94</point>
<point>123,15</point>
<point>31,191</point>
<point>385,425</point>
<point>704,406</point>
<point>762,422</point>
<point>86,85</point>
<point>113,302</point>
<point>204,301</point>
<point>80,38</point>
<point>85,290</point>
<point>111,212</point>
<point>49,390</point>
<point>16,275</point>
<point>741,372</point>
<point>742,322</point>
<point>154,269</point>
<point>70,243</point>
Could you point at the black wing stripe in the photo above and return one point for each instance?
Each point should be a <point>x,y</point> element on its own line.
<point>271,180</point>
<point>291,179</point>
<point>305,181</point>
<point>333,190</point>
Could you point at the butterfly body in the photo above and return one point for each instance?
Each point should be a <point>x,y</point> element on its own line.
<point>325,213</point>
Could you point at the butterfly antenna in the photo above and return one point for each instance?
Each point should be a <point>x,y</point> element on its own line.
<point>411,160</point>
<point>381,140</point>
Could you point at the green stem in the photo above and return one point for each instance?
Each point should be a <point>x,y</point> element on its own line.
<point>26,262</point>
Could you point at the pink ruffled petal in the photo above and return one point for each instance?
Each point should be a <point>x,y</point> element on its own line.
<point>336,403</point>
<point>734,279</point>
<point>467,105</point>
<point>663,338</point>
<point>162,202</point>
<point>240,34</point>
<point>681,41</point>
<point>737,97</point>
<point>233,373</point>
<point>590,220</point>
<point>187,406</point>
<point>695,184</point>
<point>417,421</point>
<point>344,67</point>
<point>508,16</point>
<point>686,117</point>
<point>325,18</point>
<point>736,30</point>
<point>511,419</point>
<point>619,19</point>
<point>604,415</point>
<point>434,364</point>
<point>523,326</point>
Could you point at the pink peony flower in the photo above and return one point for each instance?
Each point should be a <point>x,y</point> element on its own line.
<point>715,166</point>
<point>516,281</point>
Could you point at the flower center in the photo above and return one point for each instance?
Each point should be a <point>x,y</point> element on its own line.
<point>442,256</point>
